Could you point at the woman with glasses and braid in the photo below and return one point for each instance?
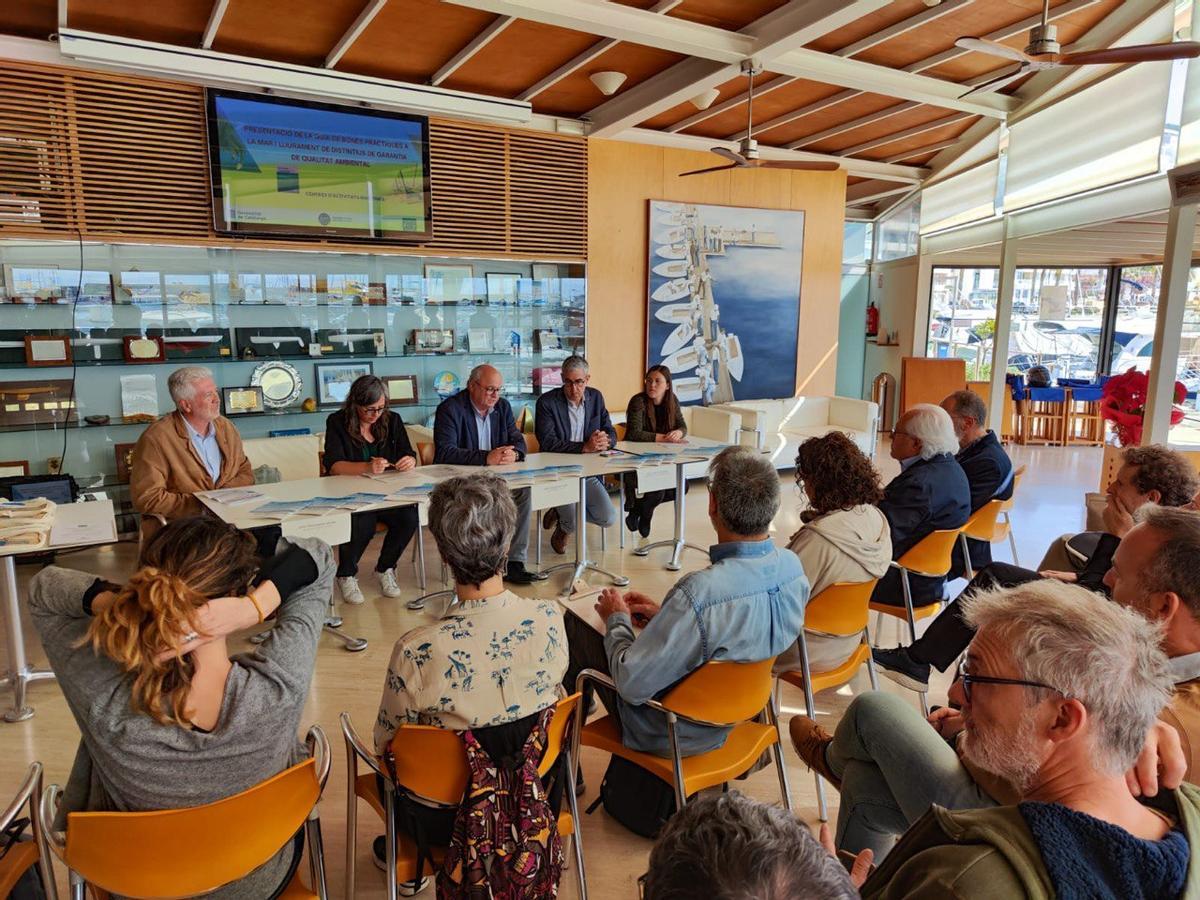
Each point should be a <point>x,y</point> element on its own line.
<point>364,437</point>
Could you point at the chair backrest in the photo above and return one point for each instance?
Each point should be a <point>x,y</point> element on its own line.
<point>620,428</point>
<point>931,556</point>
<point>425,454</point>
<point>840,609</point>
<point>531,443</point>
<point>432,763</point>
<point>723,692</point>
<point>186,852</point>
<point>295,456</point>
<point>982,524</point>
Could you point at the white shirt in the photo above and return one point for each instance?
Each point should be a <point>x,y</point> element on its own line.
<point>484,426</point>
<point>575,412</point>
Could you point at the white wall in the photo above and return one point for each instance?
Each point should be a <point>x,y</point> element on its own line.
<point>894,291</point>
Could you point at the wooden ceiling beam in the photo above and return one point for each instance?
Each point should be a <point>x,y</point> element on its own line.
<point>214,23</point>
<point>370,11</point>
<point>731,103</point>
<point>870,191</point>
<point>905,134</point>
<point>852,124</point>
<point>796,114</point>
<point>578,62</point>
<point>921,151</point>
<point>476,44</point>
<point>904,26</point>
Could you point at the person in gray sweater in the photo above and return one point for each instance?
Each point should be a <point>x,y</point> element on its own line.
<point>168,719</point>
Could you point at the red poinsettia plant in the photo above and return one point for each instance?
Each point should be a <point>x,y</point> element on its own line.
<point>1124,404</point>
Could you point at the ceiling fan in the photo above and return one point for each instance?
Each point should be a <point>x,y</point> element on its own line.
<point>1044,52</point>
<point>746,156</point>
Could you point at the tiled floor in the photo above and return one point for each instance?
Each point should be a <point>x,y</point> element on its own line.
<point>1050,503</point>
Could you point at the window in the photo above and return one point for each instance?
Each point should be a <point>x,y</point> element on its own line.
<point>962,317</point>
<point>898,235</point>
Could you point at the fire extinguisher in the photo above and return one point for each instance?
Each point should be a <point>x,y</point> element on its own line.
<point>872,320</point>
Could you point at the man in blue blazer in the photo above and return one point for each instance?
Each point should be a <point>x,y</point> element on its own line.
<point>573,419</point>
<point>475,427</point>
<point>988,469</point>
<point>931,493</point>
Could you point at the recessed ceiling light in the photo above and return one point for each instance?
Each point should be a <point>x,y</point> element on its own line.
<point>608,83</point>
<point>705,99</point>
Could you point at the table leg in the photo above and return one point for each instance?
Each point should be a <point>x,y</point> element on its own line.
<point>421,556</point>
<point>677,543</point>
<point>582,563</point>
<point>19,673</point>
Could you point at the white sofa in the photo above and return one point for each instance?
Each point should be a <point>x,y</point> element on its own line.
<point>781,426</point>
<point>705,422</point>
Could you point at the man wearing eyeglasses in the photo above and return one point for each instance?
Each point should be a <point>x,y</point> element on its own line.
<point>573,419</point>
<point>1059,694</point>
<point>476,427</point>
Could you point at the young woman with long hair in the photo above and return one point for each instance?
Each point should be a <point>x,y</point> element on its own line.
<point>364,437</point>
<point>168,718</point>
<point>652,415</point>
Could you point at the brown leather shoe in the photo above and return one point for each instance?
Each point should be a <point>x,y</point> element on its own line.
<point>811,741</point>
<point>550,519</point>
<point>559,539</point>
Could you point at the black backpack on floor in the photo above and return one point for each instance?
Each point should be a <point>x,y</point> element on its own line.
<point>638,799</point>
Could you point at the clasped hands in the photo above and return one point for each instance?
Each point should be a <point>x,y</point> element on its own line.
<point>597,442</point>
<point>380,464</point>
<point>640,608</point>
<point>501,456</point>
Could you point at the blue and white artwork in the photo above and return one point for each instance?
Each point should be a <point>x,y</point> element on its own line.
<point>724,300</point>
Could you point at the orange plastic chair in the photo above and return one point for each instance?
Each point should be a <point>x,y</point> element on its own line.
<point>431,767</point>
<point>982,526</point>
<point>840,610</point>
<point>425,453</point>
<point>532,445</point>
<point>931,557</point>
<point>188,852</point>
<point>719,693</point>
<point>24,854</point>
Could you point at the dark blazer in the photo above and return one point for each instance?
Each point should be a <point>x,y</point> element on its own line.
<point>552,421</point>
<point>931,495</point>
<point>989,472</point>
<point>456,439</point>
<point>341,447</point>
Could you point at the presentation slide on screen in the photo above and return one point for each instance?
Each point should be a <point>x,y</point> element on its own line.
<point>295,166</point>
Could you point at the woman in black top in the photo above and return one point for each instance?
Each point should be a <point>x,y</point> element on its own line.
<point>651,416</point>
<point>363,438</point>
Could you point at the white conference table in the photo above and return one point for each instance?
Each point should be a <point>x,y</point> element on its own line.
<point>76,525</point>
<point>682,457</point>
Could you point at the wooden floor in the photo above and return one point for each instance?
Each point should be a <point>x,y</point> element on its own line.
<point>1050,503</point>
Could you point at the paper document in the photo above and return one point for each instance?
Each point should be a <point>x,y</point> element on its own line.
<point>83,523</point>
<point>232,496</point>
<point>583,604</point>
<point>279,508</point>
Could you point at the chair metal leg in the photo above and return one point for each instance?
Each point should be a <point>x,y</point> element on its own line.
<point>872,674</point>
<point>419,557</point>
<point>603,539</point>
<point>676,764</point>
<point>908,607</point>
<point>389,812</point>
<point>351,818</point>
<point>573,804</point>
<point>1012,543</point>
<point>316,856</point>
<point>78,887</point>
<point>966,555</point>
<point>621,512</point>
<point>822,805</point>
<point>777,752</point>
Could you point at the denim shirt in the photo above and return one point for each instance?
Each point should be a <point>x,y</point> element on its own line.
<point>748,605</point>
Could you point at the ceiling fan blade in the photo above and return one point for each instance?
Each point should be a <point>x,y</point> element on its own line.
<point>713,169</point>
<point>802,165</point>
<point>1134,54</point>
<point>733,157</point>
<point>996,83</point>
<point>994,48</point>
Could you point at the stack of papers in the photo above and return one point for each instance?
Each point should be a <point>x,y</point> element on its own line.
<point>408,491</point>
<point>232,496</point>
<point>319,506</point>
<point>25,523</point>
<point>277,509</point>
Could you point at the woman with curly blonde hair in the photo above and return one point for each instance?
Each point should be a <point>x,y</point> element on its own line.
<point>845,537</point>
<point>168,718</point>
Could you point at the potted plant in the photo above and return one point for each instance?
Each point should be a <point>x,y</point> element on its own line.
<point>1123,403</point>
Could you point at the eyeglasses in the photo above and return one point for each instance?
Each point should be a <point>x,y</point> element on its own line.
<point>493,391</point>
<point>574,382</point>
<point>968,679</point>
<point>373,410</point>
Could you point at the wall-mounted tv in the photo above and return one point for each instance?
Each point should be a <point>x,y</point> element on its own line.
<point>282,166</point>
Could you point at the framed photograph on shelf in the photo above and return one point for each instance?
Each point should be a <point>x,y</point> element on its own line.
<point>401,390</point>
<point>11,467</point>
<point>124,455</point>
<point>479,340</point>
<point>334,380</point>
<point>242,401</point>
<point>433,340</point>
<point>448,284</point>
<point>143,349</point>
<point>502,288</point>
<point>47,350</point>
<point>545,282</point>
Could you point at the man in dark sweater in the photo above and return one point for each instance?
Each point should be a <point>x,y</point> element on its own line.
<point>988,469</point>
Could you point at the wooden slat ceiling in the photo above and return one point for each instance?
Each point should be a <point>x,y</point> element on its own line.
<point>410,40</point>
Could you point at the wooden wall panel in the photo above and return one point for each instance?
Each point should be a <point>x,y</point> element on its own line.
<point>622,178</point>
<point>123,158</point>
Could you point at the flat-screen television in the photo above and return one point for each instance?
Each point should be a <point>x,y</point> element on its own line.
<point>282,166</point>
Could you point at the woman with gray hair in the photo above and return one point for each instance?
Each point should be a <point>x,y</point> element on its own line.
<point>493,660</point>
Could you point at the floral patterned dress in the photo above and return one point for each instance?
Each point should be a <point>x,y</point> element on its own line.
<point>487,662</point>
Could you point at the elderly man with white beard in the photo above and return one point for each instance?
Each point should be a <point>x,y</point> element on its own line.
<point>1059,691</point>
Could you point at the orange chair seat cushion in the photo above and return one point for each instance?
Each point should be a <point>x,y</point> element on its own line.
<point>822,681</point>
<point>17,860</point>
<point>296,890</point>
<point>741,749</point>
<point>919,612</point>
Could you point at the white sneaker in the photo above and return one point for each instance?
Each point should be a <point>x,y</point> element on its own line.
<point>351,593</point>
<point>387,582</point>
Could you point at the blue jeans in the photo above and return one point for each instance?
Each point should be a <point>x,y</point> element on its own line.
<point>893,766</point>
<point>600,509</point>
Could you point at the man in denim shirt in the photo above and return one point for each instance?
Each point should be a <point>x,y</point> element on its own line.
<point>748,605</point>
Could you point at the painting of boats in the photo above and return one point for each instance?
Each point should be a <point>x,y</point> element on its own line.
<point>724,285</point>
<point>671,291</point>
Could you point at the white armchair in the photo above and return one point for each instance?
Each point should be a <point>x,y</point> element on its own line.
<point>781,426</point>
